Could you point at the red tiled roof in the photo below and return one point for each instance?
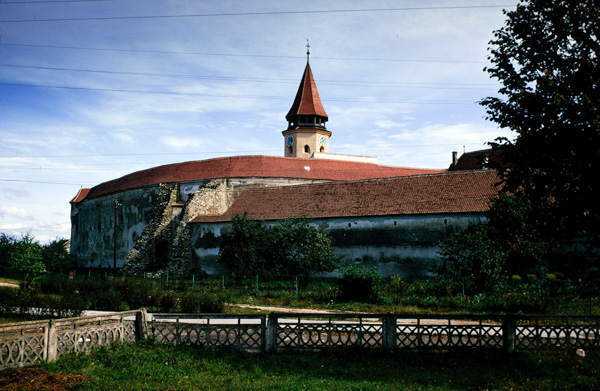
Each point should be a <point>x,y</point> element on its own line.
<point>477,160</point>
<point>81,194</point>
<point>456,192</point>
<point>307,100</point>
<point>252,167</point>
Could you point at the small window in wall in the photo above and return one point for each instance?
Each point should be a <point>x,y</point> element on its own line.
<point>445,221</point>
<point>306,149</point>
<point>322,149</point>
<point>290,149</point>
<point>349,225</point>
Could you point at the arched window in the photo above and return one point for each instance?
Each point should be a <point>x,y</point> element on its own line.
<point>322,149</point>
<point>306,149</point>
<point>290,149</point>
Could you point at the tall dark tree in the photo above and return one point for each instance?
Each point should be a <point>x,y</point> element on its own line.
<point>547,59</point>
<point>289,247</point>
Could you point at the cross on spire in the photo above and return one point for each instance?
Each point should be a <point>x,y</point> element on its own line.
<point>307,50</point>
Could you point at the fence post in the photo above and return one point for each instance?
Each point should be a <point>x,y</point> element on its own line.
<point>51,341</point>
<point>272,323</point>
<point>388,331</point>
<point>141,327</point>
<point>296,287</point>
<point>508,333</point>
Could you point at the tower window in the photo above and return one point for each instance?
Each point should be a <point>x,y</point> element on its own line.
<point>290,149</point>
<point>322,149</point>
<point>306,149</point>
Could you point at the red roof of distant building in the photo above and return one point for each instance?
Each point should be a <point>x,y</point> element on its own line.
<point>307,100</point>
<point>252,167</point>
<point>457,192</point>
<point>81,194</point>
<point>477,160</point>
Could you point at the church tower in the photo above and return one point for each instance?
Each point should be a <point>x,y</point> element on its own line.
<point>306,132</point>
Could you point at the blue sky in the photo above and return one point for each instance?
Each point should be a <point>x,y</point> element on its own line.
<point>93,90</point>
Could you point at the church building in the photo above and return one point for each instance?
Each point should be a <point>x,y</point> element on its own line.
<point>170,217</point>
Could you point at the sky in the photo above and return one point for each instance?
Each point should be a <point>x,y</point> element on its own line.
<point>92,90</point>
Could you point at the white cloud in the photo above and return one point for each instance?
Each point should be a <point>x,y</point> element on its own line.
<point>11,226</point>
<point>123,136</point>
<point>473,136</point>
<point>388,124</point>
<point>11,211</point>
<point>15,192</point>
<point>183,142</point>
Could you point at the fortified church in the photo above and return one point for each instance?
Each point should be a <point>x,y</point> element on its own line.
<point>170,217</point>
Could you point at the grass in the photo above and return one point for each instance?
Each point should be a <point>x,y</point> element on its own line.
<point>9,319</point>
<point>150,366</point>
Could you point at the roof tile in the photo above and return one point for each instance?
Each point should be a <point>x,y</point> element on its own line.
<point>307,101</point>
<point>456,192</point>
<point>248,167</point>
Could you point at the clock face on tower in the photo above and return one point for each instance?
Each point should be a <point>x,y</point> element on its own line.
<point>289,141</point>
<point>322,141</point>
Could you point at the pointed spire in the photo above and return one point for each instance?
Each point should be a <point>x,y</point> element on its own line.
<point>307,101</point>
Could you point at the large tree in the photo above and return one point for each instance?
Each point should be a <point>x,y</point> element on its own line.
<point>547,58</point>
<point>288,247</point>
<point>21,258</point>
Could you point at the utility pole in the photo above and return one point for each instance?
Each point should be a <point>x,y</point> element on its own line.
<point>117,204</point>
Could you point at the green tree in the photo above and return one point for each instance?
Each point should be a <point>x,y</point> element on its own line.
<point>484,255</point>
<point>241,248</point>
<point>56,257</point>
<point>547,58</point>
<point>6,246</point>
<point>472,259</point>
<point>24,258</point>
<point>292,247</point>
<point>300,248</point>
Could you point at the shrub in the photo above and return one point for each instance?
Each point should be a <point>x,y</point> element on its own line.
<point>359,283</point>
<point>28,304</point>
<point>202,302</point>
<point>108,299</point>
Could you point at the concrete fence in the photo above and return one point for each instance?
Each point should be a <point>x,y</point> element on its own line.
<point>27,343</point>
<point>303,331</point>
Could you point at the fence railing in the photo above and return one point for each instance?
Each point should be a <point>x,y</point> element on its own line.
<point>305,331</point>
<point>246,332</point>
<point>27,343</point>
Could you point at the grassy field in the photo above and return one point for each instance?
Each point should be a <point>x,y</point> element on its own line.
<point>211,294</point>
<point>150,366</point>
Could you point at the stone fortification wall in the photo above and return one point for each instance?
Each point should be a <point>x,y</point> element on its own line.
<point>150,252</point>
<point>152,232</point>
<point>401,245</point>
<point>93,225</point>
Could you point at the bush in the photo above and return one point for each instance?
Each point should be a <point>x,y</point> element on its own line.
<point>108,300</point>
<point>360,283</point>
<point>28,304</point>
<point>202,302</point>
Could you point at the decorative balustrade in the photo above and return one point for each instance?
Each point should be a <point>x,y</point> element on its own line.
<point>442,332</point>
<point>313,331</point>
<point>557,332</point>
<point>27,343</point>
<point>245,332</point>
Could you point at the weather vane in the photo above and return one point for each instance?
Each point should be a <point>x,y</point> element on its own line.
<point>307,50</point>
